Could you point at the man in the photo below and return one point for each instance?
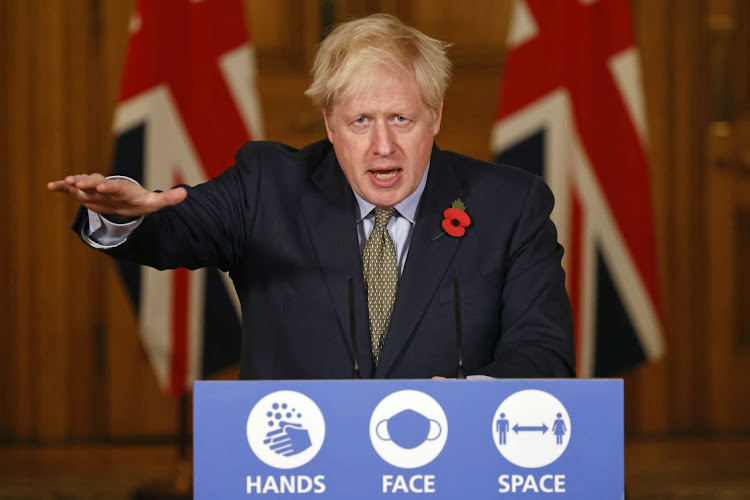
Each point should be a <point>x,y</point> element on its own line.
<point>365,209</point>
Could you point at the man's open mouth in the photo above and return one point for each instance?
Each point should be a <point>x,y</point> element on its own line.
<point>385,174</point>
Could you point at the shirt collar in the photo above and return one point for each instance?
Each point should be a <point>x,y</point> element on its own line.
<point>407,208</point>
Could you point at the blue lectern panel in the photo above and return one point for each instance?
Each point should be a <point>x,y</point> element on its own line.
<point>551,439</point>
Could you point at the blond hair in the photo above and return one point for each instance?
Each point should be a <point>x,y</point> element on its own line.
<point>341,63</point>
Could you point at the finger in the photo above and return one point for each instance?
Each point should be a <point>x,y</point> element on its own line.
<point>72,179</point>
<point>174,196</point>
<point>269,440</point>
<point>65,188</point>
<point>71,183</point>
<point>284,450</point>
<point>157,201</point>
<point>273,433</point>
<point>280,440</point>
<point>86,182</point>
<point>60,187</point>
<point>280,445</point>
<point>119,187</point>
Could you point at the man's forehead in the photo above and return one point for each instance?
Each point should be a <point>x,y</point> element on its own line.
<point>369,80</point>
<point>380,91</point>
<point>380,102</point>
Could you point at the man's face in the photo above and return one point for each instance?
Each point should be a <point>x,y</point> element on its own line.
<point>383,138</point>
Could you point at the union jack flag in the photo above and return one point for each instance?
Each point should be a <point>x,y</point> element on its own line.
<point>571,109</point>
<point>187,102</point>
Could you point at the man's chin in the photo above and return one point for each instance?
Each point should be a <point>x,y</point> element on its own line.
<point>386,200</point>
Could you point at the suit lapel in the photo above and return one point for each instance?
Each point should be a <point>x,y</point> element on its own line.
<point>427,261</point>
<point>329,214</point>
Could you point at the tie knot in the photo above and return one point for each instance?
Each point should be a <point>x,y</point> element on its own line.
<point>382,216</point>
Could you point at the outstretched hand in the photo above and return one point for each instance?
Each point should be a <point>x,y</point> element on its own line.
<point>116,196</point>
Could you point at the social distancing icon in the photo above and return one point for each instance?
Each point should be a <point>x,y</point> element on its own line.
<point>531,428</point>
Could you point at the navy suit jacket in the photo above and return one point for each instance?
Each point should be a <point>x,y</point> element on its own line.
<point>282,222</point>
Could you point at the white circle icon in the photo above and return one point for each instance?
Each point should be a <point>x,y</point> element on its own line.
<point>531,428</point>
<point>408,429</point>
<point>285,429</point>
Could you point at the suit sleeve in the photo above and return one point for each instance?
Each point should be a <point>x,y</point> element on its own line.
<point>211,227</point>
<point>536,337</point>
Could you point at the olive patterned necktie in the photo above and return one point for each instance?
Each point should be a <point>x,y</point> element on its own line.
<point>381,278</point>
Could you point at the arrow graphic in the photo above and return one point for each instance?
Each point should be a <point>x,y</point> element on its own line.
<point>517,428</point>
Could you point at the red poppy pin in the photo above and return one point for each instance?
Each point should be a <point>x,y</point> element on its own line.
<point>456,220</point>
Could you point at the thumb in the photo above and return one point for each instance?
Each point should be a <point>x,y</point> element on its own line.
<point>167,198</point>
<point>175,196</point>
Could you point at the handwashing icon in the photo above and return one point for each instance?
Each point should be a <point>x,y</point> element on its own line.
<point>408,429</point>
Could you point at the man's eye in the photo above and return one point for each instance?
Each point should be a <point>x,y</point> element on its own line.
<point>361,119</point>
<point>400,118</point>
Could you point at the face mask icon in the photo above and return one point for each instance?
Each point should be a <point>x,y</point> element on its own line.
<point>408,429</point>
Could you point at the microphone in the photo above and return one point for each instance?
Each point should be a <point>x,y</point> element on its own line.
<point>353,330</point>
<point>459,332</point>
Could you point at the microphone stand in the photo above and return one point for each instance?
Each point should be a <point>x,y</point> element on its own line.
<point>353,330</point>
<point>459,332</point>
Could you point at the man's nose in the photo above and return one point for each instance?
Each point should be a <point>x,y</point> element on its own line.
<point>382,140</point>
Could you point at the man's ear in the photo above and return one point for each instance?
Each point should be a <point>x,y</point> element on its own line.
<point>329,129</point>
<point>436,125</point>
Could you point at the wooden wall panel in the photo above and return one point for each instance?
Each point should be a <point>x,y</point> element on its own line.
<point>48,144</point>
<point>647,389</point>
<point>670,396</point>
<point>476,28</point>
<point>18,32</point>
<point>86,383</point>
<point>727,357</point>
<point>728,163</point>
<point>477,52</point>
<point>64,62</point>
<point>687,247</point>
<point>6,394</point>
<point>284,32</point>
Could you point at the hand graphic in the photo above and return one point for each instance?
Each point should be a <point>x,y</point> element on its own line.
<point>289,439</point>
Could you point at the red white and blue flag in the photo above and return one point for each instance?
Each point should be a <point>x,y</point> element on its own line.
<point>188,101</point>
<point>571,109</point>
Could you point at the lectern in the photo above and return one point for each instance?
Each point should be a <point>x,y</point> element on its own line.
<point>374,439</point>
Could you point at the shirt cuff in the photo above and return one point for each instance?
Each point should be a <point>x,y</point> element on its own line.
<point>103,233</point>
